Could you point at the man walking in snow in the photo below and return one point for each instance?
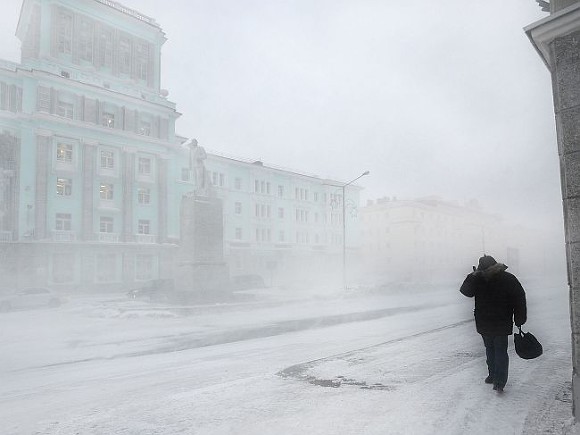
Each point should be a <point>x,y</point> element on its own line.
<point>499,297</point>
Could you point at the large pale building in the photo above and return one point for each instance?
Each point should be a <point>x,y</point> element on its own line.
<point>430,239</point>
<point>284,225</point>
<point>92,172</point>
<point>87,148</point>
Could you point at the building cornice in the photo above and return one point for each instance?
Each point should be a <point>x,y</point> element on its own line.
<point>543,32</point>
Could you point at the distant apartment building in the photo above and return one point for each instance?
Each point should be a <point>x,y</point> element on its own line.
<point>428,239</point>
<point>282,224</point>
<point>87,149</point>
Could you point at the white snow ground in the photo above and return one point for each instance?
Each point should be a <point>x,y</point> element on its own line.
<point>399,363</point>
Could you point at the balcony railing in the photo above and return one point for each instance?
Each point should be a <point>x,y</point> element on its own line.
<point>145,238</point>
<point>5,236</point>
<point>63,236</point>
<point>108,237</point>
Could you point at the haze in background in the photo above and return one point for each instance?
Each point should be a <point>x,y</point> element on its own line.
<point>445,98</point>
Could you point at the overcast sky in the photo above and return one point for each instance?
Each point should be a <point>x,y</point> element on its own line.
<point>443,98</point>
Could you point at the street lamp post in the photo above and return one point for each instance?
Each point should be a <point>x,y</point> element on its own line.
<point>344,226</point>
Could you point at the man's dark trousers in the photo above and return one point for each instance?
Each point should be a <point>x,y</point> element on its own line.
<point>497,358</point>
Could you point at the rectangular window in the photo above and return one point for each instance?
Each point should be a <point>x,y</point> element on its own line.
<point>281,236</point>
<point>125,57</point>
<point>143,195</point>
<point>107,160</point>
<point>315,194</point>
<point>144,227</point>
<point>280,191</point>
<point>141,60</point>
<point>106,267</point>
<point>268,188</point>
<point>184,174</point>
<point>64,186</point>
<point>256,186</point>
<point>63,268</point>
<point>222,180</point>
<point>108,119</point>
<point>238,207</point>
<point>43,99</point>
<point>238,183</point>
<point>145,128</point>
<point>64,35</point>
<point>238,234</point>
<point>106,191</point>
<point>65,109</point>
<point>144,166</point>
<point>106,224</point>
<point>281,213</point>
<point>214,178</point>
<point>64,152</point>
<point>144,267</point>
<point>105,46</point>
<point>86,40</point>
<point>63,222</point>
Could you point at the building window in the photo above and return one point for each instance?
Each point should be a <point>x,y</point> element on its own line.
<point>238,207</point>
<point>106,224</point>
<point>238,234</point>
<point>65,109</point>
<point>106,268</point>
<point>143,195</point>
<point>315,195</point>
<point>105,46</point>
<point>63,268</point>
<point>144,267</point>
<point>108,119</point>
<point>64,152</point>
<point>185,174</point>
<point>281,236</point>
<point>280,191</point>
<point>106,191</point>
<point>64,186</point>
<point>144,227</point>
<point>63,222</point>
<point>256,186</point>
<point>281,213</point>
<point>64,35</point>
<point>141,60</point>
<point>43,96</point>
<point>222,180</point>
<point>145,128</point>
<point>238,183</point>
<point>86,40</point>
<point>107,160</point>
<point>144,166</point>
<point>125,49</point>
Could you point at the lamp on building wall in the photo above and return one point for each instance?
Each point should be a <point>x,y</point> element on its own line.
<point>343,187</point>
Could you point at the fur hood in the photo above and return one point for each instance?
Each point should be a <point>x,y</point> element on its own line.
<point>490,273</point>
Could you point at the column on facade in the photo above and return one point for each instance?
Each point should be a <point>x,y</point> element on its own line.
<point>162,174</point>
<point>128,180</point>
<point>43,159</point>
<point>88,166</point>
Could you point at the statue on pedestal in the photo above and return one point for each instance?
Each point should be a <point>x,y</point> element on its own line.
<point>197,155</point>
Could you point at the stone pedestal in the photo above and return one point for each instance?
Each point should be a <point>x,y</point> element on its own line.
<point>201,271</point>
<point>557,40</point>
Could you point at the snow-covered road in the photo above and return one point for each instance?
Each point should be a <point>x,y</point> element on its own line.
<point>90,370</point>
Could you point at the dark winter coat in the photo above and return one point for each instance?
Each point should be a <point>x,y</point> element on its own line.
<point>499,296</point>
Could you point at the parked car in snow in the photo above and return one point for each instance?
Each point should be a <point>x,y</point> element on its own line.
<point>154,290</point>
<point>27,298</point>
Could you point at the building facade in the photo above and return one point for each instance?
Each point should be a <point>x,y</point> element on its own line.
<point>281,224</point>
<point>87,149</point>
<point>430,239</point>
